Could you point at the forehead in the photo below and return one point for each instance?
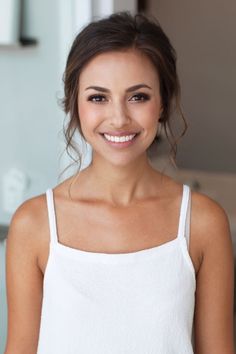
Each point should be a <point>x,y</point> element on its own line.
<point>119,66</point>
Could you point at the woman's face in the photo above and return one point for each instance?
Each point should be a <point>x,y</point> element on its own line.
<point>119,105</point>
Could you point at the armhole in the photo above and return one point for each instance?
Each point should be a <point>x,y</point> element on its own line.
<point>51,216</point>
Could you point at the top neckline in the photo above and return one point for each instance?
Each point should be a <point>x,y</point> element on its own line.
<point>114,257</point>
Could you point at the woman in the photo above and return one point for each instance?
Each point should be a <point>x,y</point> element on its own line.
<point>104,262</point>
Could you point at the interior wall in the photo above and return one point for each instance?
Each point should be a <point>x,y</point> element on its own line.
<point>203,34</point>
<point>30,117</point>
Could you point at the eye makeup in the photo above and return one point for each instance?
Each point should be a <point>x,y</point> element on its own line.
<point>140,97</point>
<point>137,97</point>
<point>96,98</point>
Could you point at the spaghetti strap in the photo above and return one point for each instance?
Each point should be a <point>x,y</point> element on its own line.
<point>187,226</point>
<point>51,216</point>
<point>184,220</point>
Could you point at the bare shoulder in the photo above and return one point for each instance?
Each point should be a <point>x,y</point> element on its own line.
<point>209,220</point>
<point>210,228</point>
<point>28,222</point>
<point>30,209</point>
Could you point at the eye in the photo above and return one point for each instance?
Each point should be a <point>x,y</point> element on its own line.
<point>139,97</point>
<point>96,98</point>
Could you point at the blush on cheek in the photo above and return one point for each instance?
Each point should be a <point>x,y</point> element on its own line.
<point>89,119</point>
<point>81,108</point>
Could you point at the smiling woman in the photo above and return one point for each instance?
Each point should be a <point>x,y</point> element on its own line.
<point>104,263</point>
<point>144,38</point>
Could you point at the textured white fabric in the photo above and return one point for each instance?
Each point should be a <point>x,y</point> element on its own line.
<point>129,303</point>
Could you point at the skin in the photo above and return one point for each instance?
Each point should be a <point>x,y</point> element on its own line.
<point>129,204</point>
<point>123,173</point>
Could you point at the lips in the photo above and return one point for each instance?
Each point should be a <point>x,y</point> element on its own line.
<point>115,133</point>
<point>120,140</point>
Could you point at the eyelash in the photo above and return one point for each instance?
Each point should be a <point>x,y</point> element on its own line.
<point>90,98</point>
<point>144,97</point>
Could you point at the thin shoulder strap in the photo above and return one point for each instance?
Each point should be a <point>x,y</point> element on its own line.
<point>184,219</point>
<point>51,216</point>
<point>187,226</point>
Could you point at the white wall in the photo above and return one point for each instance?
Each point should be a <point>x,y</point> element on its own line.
<point>30,118</point>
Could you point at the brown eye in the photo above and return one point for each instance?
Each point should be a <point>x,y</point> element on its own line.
<point>97,98</point>
<point>140,97</point>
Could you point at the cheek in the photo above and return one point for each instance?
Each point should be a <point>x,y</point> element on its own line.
<point>88,116</point>
<point>155,110</point>
<point>147,115</point>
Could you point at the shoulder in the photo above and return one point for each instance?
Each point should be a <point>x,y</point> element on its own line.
<point>210,224</point>
<point>209,215</point>
<point>29,212</point>
<point>209,220</point>
<point>28,222</point>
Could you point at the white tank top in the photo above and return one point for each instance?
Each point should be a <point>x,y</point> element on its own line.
<point>128,303</point>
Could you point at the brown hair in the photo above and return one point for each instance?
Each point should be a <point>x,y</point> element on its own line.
<point>117,32</point>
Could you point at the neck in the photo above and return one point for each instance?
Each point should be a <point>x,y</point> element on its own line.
<point>119,185</point>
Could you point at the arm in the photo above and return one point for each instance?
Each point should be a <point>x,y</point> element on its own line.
<point>24,282</point>
<point>213,320</point>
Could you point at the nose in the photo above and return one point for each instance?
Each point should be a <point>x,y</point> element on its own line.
<point>119,115</point>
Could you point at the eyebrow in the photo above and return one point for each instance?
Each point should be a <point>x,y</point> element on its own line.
<point>130,89</point>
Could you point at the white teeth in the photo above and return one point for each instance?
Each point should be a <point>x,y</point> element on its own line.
<point>119,139</point>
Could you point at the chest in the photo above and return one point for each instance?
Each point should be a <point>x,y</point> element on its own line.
<point>96,228</point>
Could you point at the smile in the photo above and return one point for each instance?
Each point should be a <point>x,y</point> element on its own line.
<point>119,139</point>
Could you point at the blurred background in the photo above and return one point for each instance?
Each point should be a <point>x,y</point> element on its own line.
<point>35,37</point>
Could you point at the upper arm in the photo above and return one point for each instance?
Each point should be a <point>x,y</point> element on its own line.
<point>213,320</point>
<point>24,282</point>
